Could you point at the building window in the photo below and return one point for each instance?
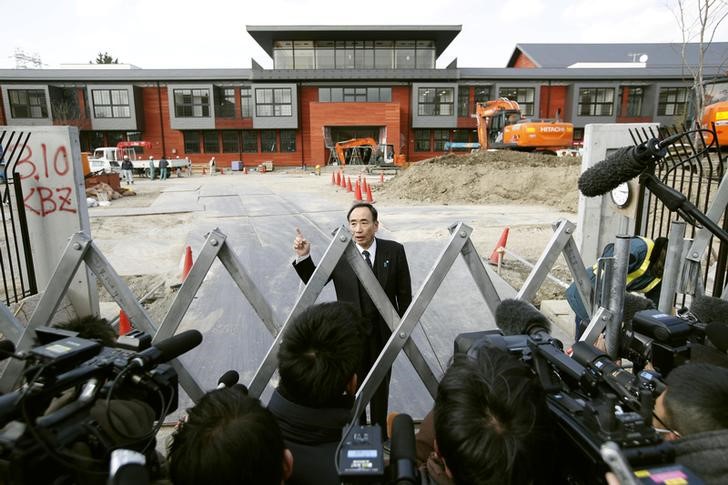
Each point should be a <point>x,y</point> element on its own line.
<point>324,51</point>
<point>268,141</point>
<point>230,141</point>
<point>111,103</point>
<point>422,141</point>
<point>283,54</point>
<point>225,103</point>
<point>211,142</point>
<point>246,102</point>
<point>192,141</point>
<point>28,103</point>
<point>463,101</point>
<point>360,94</point>
<point>303,55</point>
<point>596,102</point>
<point>425,54</point>
<point>383,54</point>
<point>273,102</point>
<point>463,136</point>
<point>192,103</point>
<point>482,94</point>
<point>404,54</point>
<point>672,102</point>
<point>632,106</point>
<point>523,96</point>
<point>288,140</point>
<point>441,137</point>
<point>435,101</point>
<point>250,141</point>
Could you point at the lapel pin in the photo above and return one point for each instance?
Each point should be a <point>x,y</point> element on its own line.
<point>386,263</point>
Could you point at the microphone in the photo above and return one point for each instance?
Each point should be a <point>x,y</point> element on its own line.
<point>167,349</point>
<point>717,333</point>
<point>709,309</point>
<point>623,165</point>
<point>228,379</point>
<point>634,304</point>
<point>518,317</point>
<point>7,349</point>
<point>403,452</point>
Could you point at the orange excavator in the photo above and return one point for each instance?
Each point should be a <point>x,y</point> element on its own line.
<point>716,111</point>
<point>501,125</point>
<point>364,150</point>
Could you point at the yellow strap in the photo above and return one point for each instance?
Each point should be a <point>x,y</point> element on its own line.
<point>645,264</point>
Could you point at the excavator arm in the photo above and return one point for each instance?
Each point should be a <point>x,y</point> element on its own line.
<point>341,147</point>
<point>485,112</point>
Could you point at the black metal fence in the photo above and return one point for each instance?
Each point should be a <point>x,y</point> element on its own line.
<point>16,259</point>
<point>695,167</point>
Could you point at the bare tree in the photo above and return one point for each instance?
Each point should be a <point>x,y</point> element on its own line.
<point>698,21</point>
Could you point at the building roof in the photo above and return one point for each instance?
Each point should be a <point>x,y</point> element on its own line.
<point>658,55</point>
<point>115,75</point>
<point>265,35</point>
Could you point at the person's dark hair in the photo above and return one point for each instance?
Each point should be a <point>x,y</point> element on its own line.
<point>229,437</point>
<point>319,353</point>
<point>696,397</point>
<point>369,206</point>
<point>92,328</point>
<point>492,422</point>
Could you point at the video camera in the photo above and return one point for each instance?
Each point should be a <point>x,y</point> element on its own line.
<point>81,400</point>
<point>592,400</point>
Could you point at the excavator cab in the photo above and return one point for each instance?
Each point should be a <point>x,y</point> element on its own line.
<point>499,121</point>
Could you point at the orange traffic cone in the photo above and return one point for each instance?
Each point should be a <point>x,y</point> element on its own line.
<point>364,184</point>
<point>381,179</point>
<point>494,256</point>
<point>124,324</point>
<point>348,185</point>
<point>357,191</point>
<point>370,199</point>
<point>188,263</point>
<point>333,179</point>
<point>245,170</point>
<point>338,179</point>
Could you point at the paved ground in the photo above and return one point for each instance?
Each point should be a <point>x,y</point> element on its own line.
<point>259,213</point>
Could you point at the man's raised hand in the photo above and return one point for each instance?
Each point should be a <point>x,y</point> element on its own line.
<point>301,245</point>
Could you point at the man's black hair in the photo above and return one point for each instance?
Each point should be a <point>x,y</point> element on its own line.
<point>229,437</point>
<point>369,206</point>
<point>92,328</point>
<point>319,353</point>
<point>491,421</point>
<point>696,397</point>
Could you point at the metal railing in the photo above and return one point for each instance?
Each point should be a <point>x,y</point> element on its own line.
<point>16,260</point>
<point>695,167</point>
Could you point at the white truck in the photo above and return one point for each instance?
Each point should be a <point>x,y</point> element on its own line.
<point>108,159</point>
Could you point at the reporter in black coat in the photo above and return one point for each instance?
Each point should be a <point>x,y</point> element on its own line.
<point>389,263</point>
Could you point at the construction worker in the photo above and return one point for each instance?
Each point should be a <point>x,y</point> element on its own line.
<point>644,273</point>
<point>127,170</point>
<point>151,168</point>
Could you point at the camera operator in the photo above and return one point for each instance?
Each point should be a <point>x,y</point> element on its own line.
<point>692,412</point>
<point>229,437</point>
<point>317,361</point>
<point>491,423</point>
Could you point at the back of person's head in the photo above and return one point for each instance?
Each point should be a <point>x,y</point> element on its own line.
<point>492,422</point>
<point>695,398</point>
<point>320,353</point>
<point>229,437</point>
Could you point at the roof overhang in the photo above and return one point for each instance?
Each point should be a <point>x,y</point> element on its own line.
<point>442,35</point>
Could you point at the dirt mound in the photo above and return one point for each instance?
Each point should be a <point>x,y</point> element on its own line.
<point>490,177</point>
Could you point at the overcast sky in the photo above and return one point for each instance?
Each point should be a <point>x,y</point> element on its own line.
<point>211,33</point>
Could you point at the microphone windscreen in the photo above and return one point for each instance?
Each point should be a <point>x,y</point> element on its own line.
<point>634,304</point>
<point>703,354</point>
<point>518,317</point>
<point>606,175</point>
<point>709,309</point>
<point>403,439</point>
<point>177,345</point>
<point>7,347</point>
<point>229,379</point>
<point>717,333</point>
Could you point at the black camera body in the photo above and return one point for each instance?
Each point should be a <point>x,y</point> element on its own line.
<point>65,420</point>
<point>661,339</point>
<point>591,399</point>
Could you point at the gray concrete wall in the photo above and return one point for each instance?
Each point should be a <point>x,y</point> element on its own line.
<point>433,121</point>
<point>10,121</point>
<point>191,123</point>
<point>125,124</point>
<point>276,122</point>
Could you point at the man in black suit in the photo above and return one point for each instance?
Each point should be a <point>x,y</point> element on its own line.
<point>389,263</point>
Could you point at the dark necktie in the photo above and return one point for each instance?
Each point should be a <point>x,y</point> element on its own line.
<point>366,257</point>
